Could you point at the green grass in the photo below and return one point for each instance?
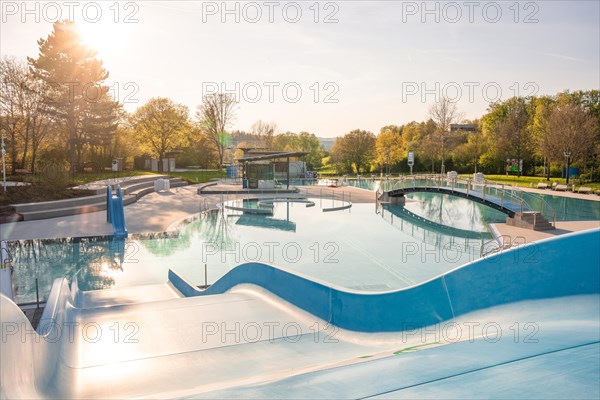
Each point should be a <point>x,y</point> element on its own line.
<point>526,181</point>
<point>197,176</point>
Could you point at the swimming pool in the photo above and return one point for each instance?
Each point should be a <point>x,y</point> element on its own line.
<point>567,208</point>
<point>363,248</point>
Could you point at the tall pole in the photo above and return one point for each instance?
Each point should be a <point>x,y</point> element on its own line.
<point>3,164</point>
<point>568,156</point>
<point>443,169</point>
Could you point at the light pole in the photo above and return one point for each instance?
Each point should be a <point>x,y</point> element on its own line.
<point>568,157</point>
<point>387,165</point>
<point>443,168</point>
<point>3,164</point>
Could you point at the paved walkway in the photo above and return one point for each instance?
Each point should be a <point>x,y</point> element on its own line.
<point>157,211</point>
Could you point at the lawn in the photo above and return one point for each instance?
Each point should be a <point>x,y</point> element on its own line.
<point>199,176</point>
<point>527,181</point>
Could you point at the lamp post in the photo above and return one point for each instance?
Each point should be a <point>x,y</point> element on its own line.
<point>568,157</point>
<point>3,164</point>
<point>387,165</point>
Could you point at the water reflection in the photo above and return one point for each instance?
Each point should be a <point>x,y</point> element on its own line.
<point>93,260</point>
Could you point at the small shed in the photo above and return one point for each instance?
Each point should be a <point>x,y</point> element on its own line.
<point>267,166</point>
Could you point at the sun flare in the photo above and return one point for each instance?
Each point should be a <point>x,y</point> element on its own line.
<point>106,39</point>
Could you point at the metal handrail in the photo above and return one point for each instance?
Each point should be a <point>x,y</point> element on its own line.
<point>525,201</point>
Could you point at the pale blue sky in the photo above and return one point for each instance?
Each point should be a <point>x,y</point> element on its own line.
<point>376,56</point>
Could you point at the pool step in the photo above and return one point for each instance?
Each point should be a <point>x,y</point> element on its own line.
<point>530,220</point>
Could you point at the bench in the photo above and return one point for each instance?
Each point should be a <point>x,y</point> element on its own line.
<point>88,169</point>
<point>542,185</point>
<point>585,190</point>
<point>22,171</point>
<point>561,188</point>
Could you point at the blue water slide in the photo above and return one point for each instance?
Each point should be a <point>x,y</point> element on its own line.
<point>115,212</point>
<point>562,266</point>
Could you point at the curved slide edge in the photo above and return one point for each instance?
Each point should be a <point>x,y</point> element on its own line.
<point>561,266</point>
<point>29,359</point>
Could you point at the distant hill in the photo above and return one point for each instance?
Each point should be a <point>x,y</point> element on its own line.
<point>327,143</point>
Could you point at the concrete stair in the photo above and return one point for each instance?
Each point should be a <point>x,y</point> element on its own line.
<point>530,220</point>
<point>132,192</point>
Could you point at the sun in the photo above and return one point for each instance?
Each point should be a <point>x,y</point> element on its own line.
<point>105,38</point>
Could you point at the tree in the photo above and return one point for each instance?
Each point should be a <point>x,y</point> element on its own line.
<point>469,152</point>
<point>572,134</point>
<point>162,126</point>
<point>422,139</point>
<point>444,113</point>
<point>513,138</point>
<point>304,141</point>
<point>215,114</point>
<point>265,131</point>
<point>354,150</point>
<point>22,112</point>
<point>389,146</point>
<point>75,77</point>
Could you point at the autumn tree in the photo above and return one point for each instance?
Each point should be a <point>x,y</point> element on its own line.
<point>162,126</point>
<point>305,142</point>
<point>215,115</point>
<point>389,146</point>
<point>355,150</point>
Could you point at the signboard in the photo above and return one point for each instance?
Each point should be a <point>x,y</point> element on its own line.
<point>411,158</point>
<point>514,166</point>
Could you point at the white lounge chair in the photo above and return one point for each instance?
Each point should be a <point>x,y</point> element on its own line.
<point>561,188</point>
<point>585,190</point>
<point>542,185</point>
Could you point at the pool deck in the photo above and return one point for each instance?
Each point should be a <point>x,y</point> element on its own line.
<point>156,212</point>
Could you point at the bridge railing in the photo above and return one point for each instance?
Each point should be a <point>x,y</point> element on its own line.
<point>510,197</point>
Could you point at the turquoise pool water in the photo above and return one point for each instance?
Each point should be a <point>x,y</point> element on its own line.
<point>567,208</point>
<point>361,248</point>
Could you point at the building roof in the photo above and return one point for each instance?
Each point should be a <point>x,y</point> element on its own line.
<point>273,156</point>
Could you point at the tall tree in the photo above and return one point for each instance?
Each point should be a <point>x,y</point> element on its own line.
<point>265,131</point>
<point>162,126</point>
<point>304,141</point>
<point>75,76</point>
<point>508,124</point>
<point>444,113</point>
<point>572,133</point>
<point>354,150</point>
<point>22,112</point>
<point>389,146</point>
<point>215,114</point>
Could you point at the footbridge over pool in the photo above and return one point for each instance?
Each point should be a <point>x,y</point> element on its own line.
<point>522,208</point>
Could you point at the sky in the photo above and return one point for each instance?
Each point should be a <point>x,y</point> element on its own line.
<point>326,67</point>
